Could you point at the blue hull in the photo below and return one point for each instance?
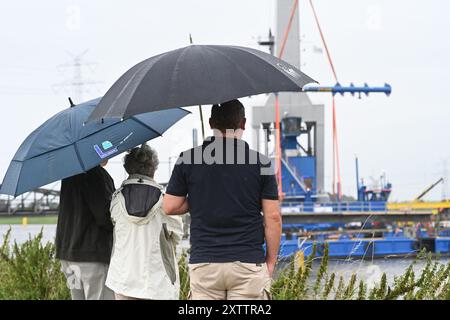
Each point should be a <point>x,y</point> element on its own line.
<point>443,245</point>
<point>362,247</point>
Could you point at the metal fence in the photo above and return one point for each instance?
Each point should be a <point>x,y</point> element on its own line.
<point>330,207</point>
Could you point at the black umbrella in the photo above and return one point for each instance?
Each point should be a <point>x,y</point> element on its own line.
<point>194,75</point>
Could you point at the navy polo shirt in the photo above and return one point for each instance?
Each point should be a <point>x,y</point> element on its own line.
<point>225,181</point>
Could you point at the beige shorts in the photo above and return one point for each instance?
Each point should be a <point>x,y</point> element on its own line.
<point>229,281</point>
<point>122,297</point>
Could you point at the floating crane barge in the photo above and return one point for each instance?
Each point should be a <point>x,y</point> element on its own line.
<point>369,226</point>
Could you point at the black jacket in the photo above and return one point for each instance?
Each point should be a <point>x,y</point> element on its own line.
<point>84,231</point>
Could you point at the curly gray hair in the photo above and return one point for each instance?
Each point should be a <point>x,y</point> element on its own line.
<point>141,160</point>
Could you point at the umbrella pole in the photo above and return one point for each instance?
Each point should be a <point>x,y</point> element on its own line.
<point>201,120</point>
<point>191,41</point>
<point>278,146</point>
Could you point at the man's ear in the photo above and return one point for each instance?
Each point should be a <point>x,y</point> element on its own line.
<point>243,122</point>
<point>211,123</point>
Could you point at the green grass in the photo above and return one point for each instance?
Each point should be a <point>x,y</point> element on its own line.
<point>31,220</point>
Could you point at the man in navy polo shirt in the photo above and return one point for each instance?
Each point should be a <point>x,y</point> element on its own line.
<point>231,193</point>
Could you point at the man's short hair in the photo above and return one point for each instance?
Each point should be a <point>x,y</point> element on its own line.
<point>227,115</point>
<point>141,160</point>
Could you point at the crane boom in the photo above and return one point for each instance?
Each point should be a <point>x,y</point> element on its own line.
<point>420,196</point>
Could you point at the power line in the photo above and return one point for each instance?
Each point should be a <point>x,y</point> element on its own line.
<point>78,84</point>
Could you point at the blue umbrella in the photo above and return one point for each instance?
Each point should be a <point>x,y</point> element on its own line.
<point>62,146</point>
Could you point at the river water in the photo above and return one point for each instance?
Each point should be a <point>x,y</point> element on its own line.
<point>368,270</point>
<point>21,233</point>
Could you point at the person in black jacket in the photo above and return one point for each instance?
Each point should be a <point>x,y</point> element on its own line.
<point>84,233</point>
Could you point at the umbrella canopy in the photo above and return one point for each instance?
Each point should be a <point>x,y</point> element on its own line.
<point>195,75</point>
<point>62,146</point>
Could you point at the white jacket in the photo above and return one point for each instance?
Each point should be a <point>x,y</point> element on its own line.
<point>143,261</point>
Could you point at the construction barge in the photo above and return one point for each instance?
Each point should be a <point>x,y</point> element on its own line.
<point>290,129</point>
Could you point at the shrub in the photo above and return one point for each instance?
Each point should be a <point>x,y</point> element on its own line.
<point>30,271</point>
<point>433,283</point>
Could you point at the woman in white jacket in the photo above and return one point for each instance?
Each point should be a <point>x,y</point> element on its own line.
<point>143,262</point>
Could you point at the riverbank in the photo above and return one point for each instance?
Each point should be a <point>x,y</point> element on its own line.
<point>29,270</point>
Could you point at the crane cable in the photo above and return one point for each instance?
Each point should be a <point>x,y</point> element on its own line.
<point>277,103</point>
<point>288,29</point>
<point>336,162</point>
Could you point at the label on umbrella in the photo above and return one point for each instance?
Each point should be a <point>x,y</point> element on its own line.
<point>107,149</point>
<point>104,152</point>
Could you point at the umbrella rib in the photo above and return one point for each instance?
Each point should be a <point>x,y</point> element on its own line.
<point>17,184</point>
<point>143,124</point>
<point>273,67</point>
<point>143,75</point>
<point>65,146</point>
<point>241,71</point>
<point>175,72</point>
<point>77,152</point>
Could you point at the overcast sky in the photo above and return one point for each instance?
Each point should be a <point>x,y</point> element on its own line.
<point>400,42</point>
